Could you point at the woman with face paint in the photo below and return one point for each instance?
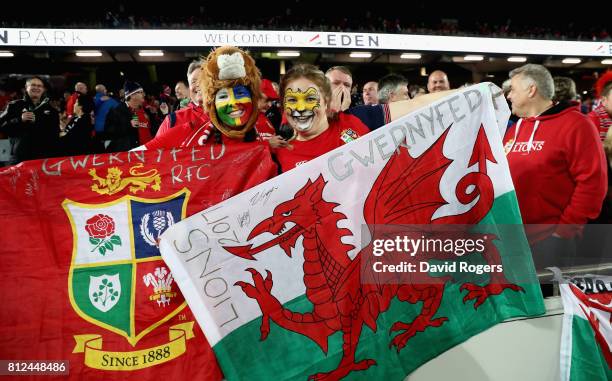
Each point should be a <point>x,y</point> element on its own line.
<point>230,85</point>
<point>306,94</point>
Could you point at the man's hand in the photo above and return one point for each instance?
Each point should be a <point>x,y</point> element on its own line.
<point>28,117</point>
<point>63,121</point>
<point>135,123</point>
<point>340,100</point>
<point>163,107</point>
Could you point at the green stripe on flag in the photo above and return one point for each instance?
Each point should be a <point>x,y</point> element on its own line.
<point>286,355</point>
<point>505,210</point>
<point>588,363</point>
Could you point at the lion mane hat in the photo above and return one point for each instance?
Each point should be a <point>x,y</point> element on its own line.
<point>229,66</point>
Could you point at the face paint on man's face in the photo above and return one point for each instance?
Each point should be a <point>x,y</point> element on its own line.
<point>234,105</point>
<point>301,106</point>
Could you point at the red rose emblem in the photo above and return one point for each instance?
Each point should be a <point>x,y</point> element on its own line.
<point>100,226</point>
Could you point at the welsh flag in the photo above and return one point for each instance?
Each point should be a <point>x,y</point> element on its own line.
<point>84,278</point>
<point>586,338</point>
<point>273,275</point>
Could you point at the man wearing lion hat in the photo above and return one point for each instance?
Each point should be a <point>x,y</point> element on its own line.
<point>230,85</point>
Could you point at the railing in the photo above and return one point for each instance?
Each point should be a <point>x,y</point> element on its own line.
<point>547,276</point>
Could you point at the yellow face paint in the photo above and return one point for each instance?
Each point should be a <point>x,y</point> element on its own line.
<point>302,107</point>
<point>297,100</point>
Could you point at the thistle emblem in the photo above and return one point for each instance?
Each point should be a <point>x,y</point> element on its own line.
<point>159,221</point>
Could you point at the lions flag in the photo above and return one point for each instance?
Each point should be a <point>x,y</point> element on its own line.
<point>84,278</point>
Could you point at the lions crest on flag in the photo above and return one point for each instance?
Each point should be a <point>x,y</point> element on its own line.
<point>117,278</point>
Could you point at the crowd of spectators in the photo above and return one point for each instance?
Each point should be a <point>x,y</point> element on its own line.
<point>85,122</point>
<point>422,19</point>
<point>150,107</point>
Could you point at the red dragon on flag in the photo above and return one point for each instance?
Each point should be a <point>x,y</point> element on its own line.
<point>341,302</point>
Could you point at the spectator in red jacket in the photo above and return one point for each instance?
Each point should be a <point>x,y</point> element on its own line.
<point>185,121</point>
<point>602,114</point>
<point>79,88</point>
<point>557,165</point>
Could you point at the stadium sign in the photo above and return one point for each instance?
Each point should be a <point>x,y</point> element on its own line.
<point>159,38</point>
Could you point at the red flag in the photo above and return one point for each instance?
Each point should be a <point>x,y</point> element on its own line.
<point>84,278</point>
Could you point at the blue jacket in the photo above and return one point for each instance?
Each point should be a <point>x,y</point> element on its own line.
<point>101,109</point>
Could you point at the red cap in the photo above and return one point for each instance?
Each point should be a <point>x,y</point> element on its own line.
<point>602,82</point>
<point>268,89</point>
